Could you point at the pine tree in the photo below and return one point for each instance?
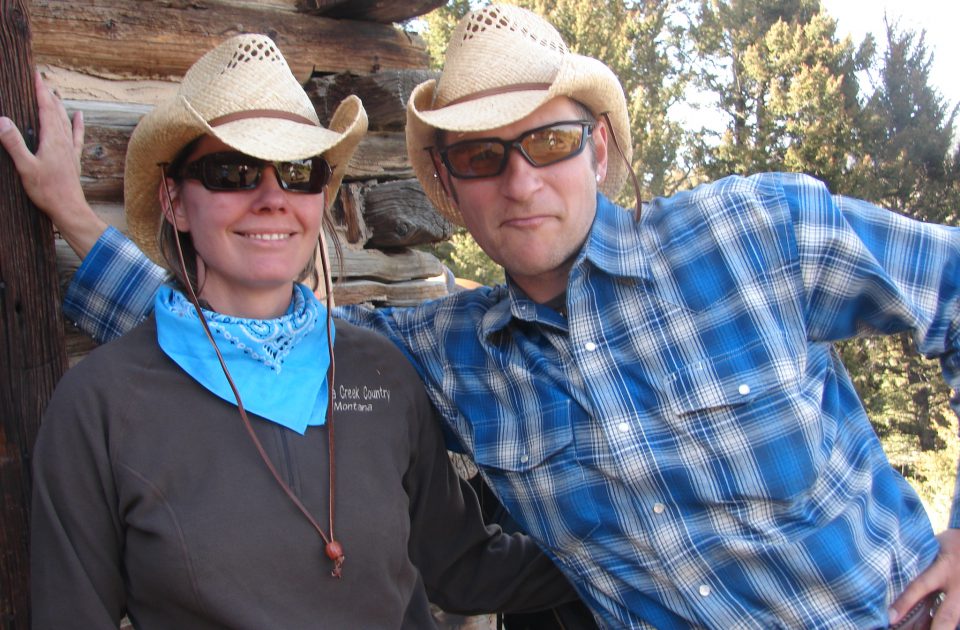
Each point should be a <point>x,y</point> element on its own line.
<point>786,81</point>
<point>906,165</point>
<point>908,131</point>
<point>439,24</point>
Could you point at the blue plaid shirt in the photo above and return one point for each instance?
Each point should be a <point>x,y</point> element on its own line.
<point>113,289</point>
<point>686,443</point>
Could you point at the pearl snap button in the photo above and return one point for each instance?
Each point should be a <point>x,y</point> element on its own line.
<point>658,508</point>
<point>590,346</point>
<point>744,389</point>
<point>624,427</point>
<point>704,590</point>
<point>524,459</point>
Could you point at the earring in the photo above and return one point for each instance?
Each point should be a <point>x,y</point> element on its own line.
<point>598,178</point>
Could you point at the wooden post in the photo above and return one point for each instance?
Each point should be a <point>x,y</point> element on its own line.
<point>32,355</point>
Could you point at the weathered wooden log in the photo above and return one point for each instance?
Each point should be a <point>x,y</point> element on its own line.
<point>161,40</point>
<point>385,11</point>
<point>80,86</point>
<point>388,266</point>
<point>107,131</point>
<point>384,94</point>
<point>381,154</point>
<point>31,342</point>
<point>406,293</point>
<point>108,114</point>
<point>348,215</point>
<point>398,214</point>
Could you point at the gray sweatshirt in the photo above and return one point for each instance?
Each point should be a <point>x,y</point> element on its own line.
<point>150,500</point>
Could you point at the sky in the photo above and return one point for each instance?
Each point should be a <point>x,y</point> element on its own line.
<point>939,18</point>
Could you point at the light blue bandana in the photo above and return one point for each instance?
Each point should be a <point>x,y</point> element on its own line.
<point>278,365</point>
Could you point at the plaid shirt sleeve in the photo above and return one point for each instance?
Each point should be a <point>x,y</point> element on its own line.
<point>113,289</point>
<point>896,274</point>
<point>872,271</point>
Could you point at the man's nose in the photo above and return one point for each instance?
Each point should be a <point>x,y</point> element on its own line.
<point>520,178</point>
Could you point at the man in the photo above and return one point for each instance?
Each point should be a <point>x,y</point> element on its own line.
<point>656,399</point>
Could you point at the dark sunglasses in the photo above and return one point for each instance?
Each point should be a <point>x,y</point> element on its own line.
<point>231,170</point>
<point>543,146</point>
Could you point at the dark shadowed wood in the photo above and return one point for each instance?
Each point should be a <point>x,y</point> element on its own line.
<point>348,215</point>
<point>162,39</point>
<point>32,356</point>
<point>384,94</point>
<point>385,11</point>
<point>380,155</point>
<point>398,214</point>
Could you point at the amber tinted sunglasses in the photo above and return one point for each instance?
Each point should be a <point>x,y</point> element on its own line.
<point>543,146</point>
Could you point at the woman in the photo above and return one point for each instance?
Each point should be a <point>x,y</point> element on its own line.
<point>188,475</point>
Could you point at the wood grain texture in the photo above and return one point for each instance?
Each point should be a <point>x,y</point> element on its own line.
<point>160,40</point>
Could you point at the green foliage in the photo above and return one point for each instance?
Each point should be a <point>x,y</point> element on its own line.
<point>790,87</point>
<point>466,260</point>
<point>907,132</point>
<point>439,24</point>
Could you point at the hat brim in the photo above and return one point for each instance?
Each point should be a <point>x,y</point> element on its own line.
<point>583,79</point>
<point>163,132</point>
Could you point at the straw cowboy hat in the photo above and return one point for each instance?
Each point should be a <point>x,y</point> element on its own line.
<point>243,93</point>
<point>502,63</point>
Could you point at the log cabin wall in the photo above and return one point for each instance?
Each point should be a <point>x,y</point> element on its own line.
<point>115,59</point>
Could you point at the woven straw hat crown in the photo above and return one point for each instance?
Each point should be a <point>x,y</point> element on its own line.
<point>502,63</point>
<point>243,93</point>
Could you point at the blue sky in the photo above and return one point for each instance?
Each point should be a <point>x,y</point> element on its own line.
<point>938,17</point>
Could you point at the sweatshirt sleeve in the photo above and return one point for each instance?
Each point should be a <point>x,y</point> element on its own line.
<point>76,534</point>
<point>469,567</point>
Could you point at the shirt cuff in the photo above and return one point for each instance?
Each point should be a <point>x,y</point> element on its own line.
<point>113,289</point>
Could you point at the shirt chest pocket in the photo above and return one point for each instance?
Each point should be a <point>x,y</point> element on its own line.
<point>531,462</point>
<point>743,427</point>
